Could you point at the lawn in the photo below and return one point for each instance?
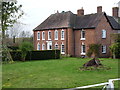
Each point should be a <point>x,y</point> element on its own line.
<point>61,73</point>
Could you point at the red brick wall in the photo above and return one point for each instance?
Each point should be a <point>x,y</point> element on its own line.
<point>59,41</point>
<point>70,40</point>
<point>89,39</point>
<point>103,24</point>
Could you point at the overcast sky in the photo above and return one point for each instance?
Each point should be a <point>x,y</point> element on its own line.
<point>38,10</point>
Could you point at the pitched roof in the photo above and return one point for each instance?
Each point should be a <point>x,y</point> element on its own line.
<point>88,21</point>
<point>68,19</point>
<point>114,24</point>
<point>58,20</point>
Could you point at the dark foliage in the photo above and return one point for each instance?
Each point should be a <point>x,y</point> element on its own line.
<point>36,55</point>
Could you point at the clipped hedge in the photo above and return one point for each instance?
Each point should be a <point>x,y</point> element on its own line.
<point>37,55</point>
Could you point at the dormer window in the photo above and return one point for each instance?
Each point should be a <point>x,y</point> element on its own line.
<point>43,35</point>
<point>103,33</point>
<point>49,35</point>
<point>83,35</point>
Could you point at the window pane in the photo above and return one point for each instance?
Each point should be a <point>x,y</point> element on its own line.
<point>82,34</point>
<point>38,46</point>
<point>62,34</point>
<point>38,35</point>
<point>83,48</point>
<point>103,33</point>
<point>56,46</point>
<point>56,34</point>
<point>43,35</point>
<point>103,49</point>
<point>63,48</point>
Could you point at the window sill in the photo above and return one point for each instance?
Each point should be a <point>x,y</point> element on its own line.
<point>38,39</point>
<point>56,39</point>
<point>49,39</point>
<point>62,52</point>
<point>103,52</point>
<point>83,53</point>
<point>62,38</point>
<point>82,39</point>
<point>43,39</point>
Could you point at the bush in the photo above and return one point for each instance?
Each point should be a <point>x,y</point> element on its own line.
<point>25,47</point>
<point>36,55</point>
<point>93,49</point>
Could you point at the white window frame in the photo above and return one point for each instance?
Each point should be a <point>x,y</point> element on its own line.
<point>62,52</point>
<point>49,33</point>
<point>43,46</point>
<point>83,53</point>
<point>43,35</point>
<point>38,46</point>
<point>104,49</point>
<point>82,38</point>
<point>57,45</point>
<point>104,33</point>
<point>56,35</point>
<point>62,34</point>
<point>38,36</point>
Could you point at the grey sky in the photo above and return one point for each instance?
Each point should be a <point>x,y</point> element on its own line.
<point>38,10</point>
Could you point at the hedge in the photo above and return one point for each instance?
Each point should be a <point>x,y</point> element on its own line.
<point>36,55</point>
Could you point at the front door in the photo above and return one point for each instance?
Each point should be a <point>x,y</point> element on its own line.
<point>49,45</point>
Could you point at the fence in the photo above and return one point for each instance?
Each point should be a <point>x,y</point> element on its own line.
<point>108,85</point>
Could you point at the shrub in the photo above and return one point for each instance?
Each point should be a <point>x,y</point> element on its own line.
<point>25,47</point>
<point>36,55</point>
<point>93,49</point>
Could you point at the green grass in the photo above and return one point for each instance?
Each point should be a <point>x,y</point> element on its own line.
<point>61,73</point>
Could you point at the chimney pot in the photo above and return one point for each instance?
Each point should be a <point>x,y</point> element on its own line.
<point>99,9</point>
<point>115,11</point>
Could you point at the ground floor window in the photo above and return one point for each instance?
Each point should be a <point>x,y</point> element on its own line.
<point>38,46</point>
<point>104,49</point>
<point>43,46</point>
<point>83,49</point>
<point>62,49</point>
<point>56,46</point>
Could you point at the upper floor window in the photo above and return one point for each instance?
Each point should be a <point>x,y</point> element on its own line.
<point>49,35</point>
<point>56,34</point>
<point>83,35</point>
<point>56,46</point>
<point>103,33</point>
<point>43,35</point>
<point>104,49</point>
<point>43,46</point>
<point>62,35</point>
<point>38,46</point>
<point>38,35</point>
<point>62,49</point>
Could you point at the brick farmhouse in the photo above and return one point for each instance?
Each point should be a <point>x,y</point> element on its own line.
<point>73,33</point>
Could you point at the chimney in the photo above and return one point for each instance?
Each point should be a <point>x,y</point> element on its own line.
<point>115,11</point>
<point>99,9</point>
<point>80,12</point>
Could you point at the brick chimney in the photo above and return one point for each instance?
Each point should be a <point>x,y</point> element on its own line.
<point>80,12</point>
<point>99,9</point>
<point>115,11</point>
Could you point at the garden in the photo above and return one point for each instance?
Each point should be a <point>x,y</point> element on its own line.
<point>59,73</point>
